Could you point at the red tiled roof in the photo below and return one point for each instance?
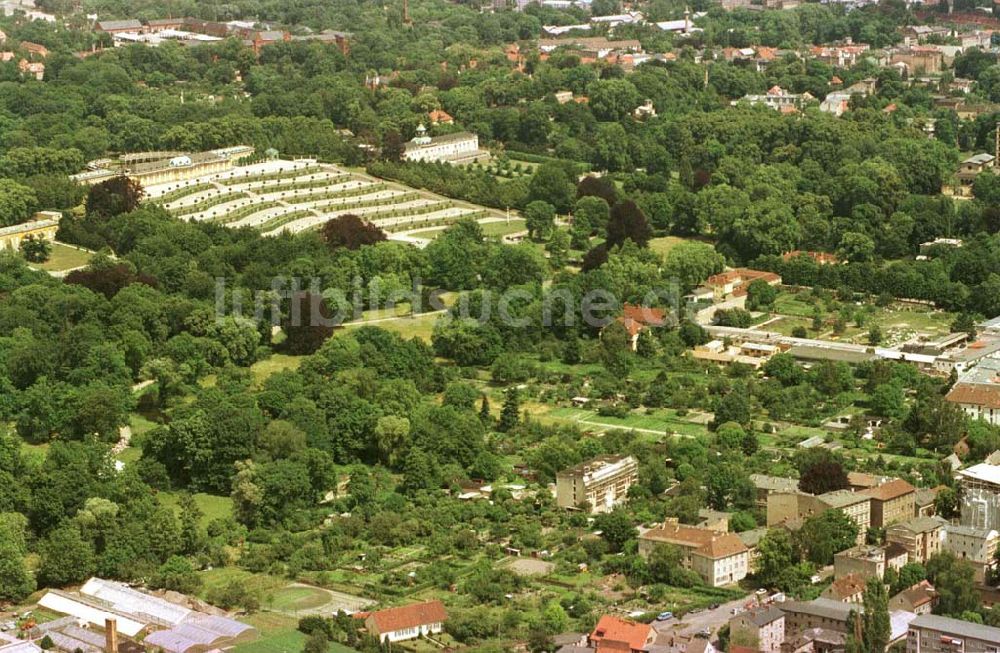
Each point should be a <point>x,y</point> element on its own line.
<point>987,396</point>
<point>767,54</point>
<point>746,275</point>
<point>645,314</point>
<point>847,586</point>
<point>891,490</point>
<point>437,115</point>
<point>612,629</point>
<point>409,616</point>
<point>702,541</point>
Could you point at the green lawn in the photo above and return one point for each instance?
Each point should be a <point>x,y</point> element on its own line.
<point>291,599</point>
<point>489,229</point>
<point>63,258</point>
<point>262,584</point>
<point>793,304</point>
<point>662,246</point>
<point>409,327</point>
<point>275,363</point>
<point>211,506</point>
<point>34,451</point>
<point>665,421</point>
<point>504,228</point>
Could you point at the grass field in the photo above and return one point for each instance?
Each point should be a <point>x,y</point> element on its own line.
<point>489,229</point>
<point>295,598</point>
<point>278,635</point>
<point>504,228</point>
<point>408,327</point>
<point>274,364</point>
<point>660,421</point>
<point>64,258</point>
<point>662,246</point>
<point>212,507</point>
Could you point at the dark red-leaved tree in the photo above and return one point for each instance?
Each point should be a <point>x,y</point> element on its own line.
<point>350,231</point>
<point>108,280</point>
<point>627,221</point>
<point>307,328</point>
<point>598,187</point>
<point>113,197</point>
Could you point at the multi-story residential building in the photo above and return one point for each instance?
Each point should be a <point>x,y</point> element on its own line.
<point>818,613</point>
<point>920,536</point>
<point>980,493</point>
<point>978,546</point>
<point>719,558</point>
<point>751,539</point>
<point>930,633</point>
<point>891,502</point>
<point>923,501</point>
<point>766,485</point>
<point>919,599</point>
<point>602,483</point>
<point>783,507</point>
<point>919,59</point>
<point>846,589</point>
<point>762,629</point>
<point>978,393</point>
<point>867,561</point>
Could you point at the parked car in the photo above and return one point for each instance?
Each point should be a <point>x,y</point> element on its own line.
<point>665,616</point>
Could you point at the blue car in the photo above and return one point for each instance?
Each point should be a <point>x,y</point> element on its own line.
<point>663,616</point>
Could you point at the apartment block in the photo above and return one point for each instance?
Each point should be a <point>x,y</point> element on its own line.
<point>602,483</point>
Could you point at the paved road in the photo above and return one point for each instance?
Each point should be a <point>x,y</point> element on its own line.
<point>693,623</point>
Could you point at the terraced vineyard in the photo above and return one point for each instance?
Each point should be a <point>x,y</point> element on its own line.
<point>292,196</point>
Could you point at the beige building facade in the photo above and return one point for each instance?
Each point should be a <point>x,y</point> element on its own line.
<point>891,502</point>
<point>602,483</point>
<point>719,558</point>
<point>44,224</point>
<point>920,536</point>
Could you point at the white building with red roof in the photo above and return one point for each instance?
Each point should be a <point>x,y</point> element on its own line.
<point>407,621</point>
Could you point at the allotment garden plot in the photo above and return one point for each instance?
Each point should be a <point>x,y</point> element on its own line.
<point>293,196</point>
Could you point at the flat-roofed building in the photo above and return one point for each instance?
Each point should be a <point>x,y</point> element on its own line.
<point>766,485</point>
<point>783,507</point>
<point>977,546</point>
<point>930,633</point>
<point>980,492</point>
<point>867,561</point>
<point>448,147</point>
<point>920,536</point>
<point>602,483</point>
<point>891,502</point>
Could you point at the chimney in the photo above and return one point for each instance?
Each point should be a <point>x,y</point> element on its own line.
<point>110,636</point>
